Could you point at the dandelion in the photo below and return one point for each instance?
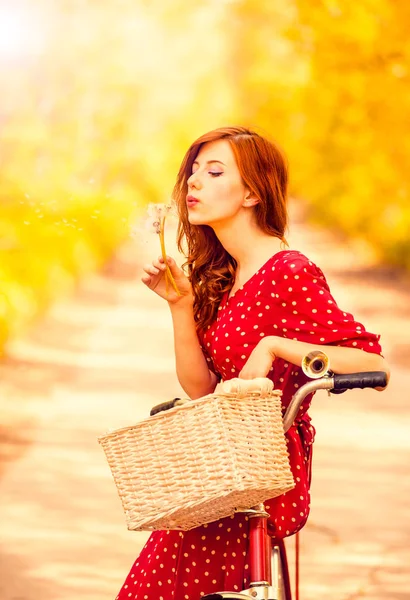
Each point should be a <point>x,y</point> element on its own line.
<point>157,213</point>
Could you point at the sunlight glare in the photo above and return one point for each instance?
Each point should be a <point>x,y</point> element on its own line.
<point>20,34</point>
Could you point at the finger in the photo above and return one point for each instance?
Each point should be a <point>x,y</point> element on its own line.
<point>174,268</point>
<point>245,374</point>
<point>146,268</point>
<point>170,260</point>
<point>161,266</point>
<point>249,373</point>
<point>150,269</point>
<point>146,279</point>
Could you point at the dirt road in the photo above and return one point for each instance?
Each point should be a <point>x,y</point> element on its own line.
<point>100,359</point>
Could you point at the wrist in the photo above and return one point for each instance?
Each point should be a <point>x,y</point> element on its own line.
<point>183,303</point>
<point>271,343</point>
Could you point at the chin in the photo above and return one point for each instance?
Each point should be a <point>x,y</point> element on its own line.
<point>196,220</point>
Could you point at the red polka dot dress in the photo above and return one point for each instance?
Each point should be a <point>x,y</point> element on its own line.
<point>287,297</point>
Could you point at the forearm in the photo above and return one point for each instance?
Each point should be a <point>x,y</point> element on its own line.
<point>191,366</point>
<point>342,359</point>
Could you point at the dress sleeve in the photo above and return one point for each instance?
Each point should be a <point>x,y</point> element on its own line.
<point>312,313</point>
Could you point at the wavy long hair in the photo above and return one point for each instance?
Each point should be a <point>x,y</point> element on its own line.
<point>263,168</point>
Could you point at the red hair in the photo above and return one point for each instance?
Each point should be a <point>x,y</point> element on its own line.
<point>263,168</point>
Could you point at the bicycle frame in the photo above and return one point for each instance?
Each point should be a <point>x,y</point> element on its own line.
<point>267,563</point>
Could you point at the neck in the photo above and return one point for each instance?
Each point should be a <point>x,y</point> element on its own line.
<point>248,244</point>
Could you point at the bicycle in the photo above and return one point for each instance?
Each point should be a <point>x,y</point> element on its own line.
<point>269,573</point>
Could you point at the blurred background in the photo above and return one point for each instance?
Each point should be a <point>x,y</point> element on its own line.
<point>99,102</point>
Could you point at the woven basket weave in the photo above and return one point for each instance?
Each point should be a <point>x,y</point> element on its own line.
<point>198,462</point>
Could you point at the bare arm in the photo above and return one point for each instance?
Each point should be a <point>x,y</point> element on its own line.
<point>191,366</point>
<point>192,369</point>
<point>342,359</point>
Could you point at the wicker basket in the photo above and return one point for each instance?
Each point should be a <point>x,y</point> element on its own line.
<point>198,462</point>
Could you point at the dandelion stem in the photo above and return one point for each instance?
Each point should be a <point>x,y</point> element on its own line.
<point>168,275</point>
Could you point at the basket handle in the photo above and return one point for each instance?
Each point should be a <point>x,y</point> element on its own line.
<point>242,387</point>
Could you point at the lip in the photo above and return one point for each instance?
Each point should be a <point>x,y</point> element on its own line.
<point>191,201</point>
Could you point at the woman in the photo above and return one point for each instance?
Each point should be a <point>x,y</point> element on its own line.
<point>250,307</point>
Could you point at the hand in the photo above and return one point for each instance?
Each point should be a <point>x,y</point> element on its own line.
<point>260,360</point>
<point>154,279</point>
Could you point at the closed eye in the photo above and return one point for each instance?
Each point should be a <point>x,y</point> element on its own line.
<point>215,174</point>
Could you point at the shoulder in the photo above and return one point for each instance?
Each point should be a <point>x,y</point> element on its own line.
<point>295,274</point>
<point>293,262</point>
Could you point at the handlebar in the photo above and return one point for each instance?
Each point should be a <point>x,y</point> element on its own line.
<point>368,379</point>
<point>166,405</point>
<point>371,379</point>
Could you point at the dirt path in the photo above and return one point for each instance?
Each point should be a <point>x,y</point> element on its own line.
<point>100,359</point>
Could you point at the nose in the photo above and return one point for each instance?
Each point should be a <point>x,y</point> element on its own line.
<point>194,181</point>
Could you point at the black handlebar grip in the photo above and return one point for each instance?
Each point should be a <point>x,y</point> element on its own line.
<point>370,379</point>
<point>163,406</point>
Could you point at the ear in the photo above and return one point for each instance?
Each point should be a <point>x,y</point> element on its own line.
<point>250,200</point>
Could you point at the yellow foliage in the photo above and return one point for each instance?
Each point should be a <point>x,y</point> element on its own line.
<point>100,103</point>
<point>336,96</point>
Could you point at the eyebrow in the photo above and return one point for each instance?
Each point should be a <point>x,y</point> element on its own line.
<point>208,162</point>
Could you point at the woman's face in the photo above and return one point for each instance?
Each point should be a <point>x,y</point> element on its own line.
<point>216,192</point>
